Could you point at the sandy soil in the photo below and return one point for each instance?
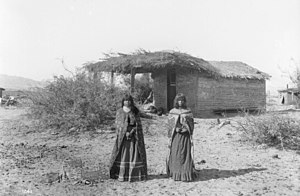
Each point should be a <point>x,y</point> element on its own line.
<point>32,162</point>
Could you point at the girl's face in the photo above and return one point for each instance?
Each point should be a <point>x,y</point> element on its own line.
<point>180,103</point>
<point>127,103</point>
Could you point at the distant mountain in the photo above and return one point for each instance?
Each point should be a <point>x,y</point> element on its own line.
<point>18,83</point>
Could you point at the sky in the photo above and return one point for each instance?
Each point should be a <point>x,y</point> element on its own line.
<point>36,35</point>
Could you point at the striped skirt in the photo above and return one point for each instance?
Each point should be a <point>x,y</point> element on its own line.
<point>180,164</point>
<point>129,162</point>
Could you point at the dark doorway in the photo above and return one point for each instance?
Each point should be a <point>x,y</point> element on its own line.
<point>171,88</point>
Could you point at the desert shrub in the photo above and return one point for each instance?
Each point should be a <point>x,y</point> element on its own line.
<point>272,129</point>
<point>75,103</point>
<point>142,88</point>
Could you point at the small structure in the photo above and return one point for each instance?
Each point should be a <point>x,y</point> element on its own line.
<point>1,89</point>
<point>210,86</point>
<point>289,96</point>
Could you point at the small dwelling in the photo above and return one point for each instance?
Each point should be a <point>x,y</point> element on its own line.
<point>211,87</point>
<point>289,96</point>
<point>1,89</point>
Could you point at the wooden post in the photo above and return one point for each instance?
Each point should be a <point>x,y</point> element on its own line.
<point>132,79</point>
<point>111,78</point>
<point>95,75</point>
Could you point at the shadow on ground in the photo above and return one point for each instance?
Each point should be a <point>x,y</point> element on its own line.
<point>208,174</point>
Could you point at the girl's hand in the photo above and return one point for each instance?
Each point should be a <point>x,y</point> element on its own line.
<point>169,144</point>
<point>128,136</point>
<point>133,131</point>
<point>184,130</point>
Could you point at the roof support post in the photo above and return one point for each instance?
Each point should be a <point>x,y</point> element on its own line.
<point>111,78</point>
<point>95,75</point>
<point>132,73</point>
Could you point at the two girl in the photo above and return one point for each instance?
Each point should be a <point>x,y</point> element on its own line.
<point>128,160</point>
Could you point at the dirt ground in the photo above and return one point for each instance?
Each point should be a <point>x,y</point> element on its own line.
<point>39,162</point>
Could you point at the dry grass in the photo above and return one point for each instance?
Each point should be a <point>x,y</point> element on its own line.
<point>273,129</point>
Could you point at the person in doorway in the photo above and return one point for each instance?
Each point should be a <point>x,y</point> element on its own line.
<point>180,164</point>
<point>128,160</point>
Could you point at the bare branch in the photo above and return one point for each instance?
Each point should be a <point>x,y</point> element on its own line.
<point>64,65</point>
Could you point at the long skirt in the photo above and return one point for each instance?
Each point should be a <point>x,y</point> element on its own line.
<point>129,162</point>
<point>180,164</point>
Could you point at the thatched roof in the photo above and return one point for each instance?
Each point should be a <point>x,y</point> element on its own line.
<point>236,69</point>
<point>144,62</point>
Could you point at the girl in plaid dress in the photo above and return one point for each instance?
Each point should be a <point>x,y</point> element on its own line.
<point>128,160</point>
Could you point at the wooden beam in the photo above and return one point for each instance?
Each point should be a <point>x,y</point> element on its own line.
<point>132,73</point>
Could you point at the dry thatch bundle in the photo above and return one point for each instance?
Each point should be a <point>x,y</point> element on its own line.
<point>144,61</point>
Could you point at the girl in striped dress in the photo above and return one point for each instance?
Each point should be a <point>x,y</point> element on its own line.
<point>180,164</point>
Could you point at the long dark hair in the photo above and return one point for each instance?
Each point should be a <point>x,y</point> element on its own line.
<point>129,98</point>
<point>180,96</point>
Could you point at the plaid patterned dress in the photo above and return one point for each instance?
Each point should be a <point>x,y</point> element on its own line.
<point>128,160</point>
